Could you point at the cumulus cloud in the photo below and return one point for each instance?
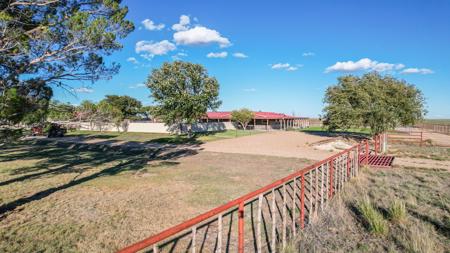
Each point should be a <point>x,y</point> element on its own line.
<point>423,71</point>
<point>151,26</point>
<point>83,90</point>
<point>132,60</point>
<point>217,55</point>
<point>240,55</point>
<point>183,25</point>
<point>150,48</point>
<point>200,35</point>
<point>286,66</point>
<point>363,64</point>
<point>306,54</point>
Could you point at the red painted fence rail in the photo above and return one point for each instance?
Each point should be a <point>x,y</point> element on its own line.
<point>312,186</point>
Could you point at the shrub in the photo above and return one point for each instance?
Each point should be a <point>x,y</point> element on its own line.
<point>372,217</point>
<point>397,211</point>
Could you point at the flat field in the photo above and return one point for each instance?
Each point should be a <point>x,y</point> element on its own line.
<point>68,197</point>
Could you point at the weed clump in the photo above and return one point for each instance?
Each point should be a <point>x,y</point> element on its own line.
<point>397,211</point>
<point>372,217</point>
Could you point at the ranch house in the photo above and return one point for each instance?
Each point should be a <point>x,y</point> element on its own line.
<point>262,120</point>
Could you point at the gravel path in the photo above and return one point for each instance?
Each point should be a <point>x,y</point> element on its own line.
<point>276,143</point>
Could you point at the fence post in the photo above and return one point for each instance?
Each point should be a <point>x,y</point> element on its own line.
<point>302,200</point>
<point>348,165</point>
<point>331,177</point>
<point>241,227</point>
<point>367,152</point>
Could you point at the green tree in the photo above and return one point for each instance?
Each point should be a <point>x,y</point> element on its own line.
<point>87,112</point>
<point>375,101</point>
<point>182,92</point>
<point>58,111</point>
<point>48,43</point>
<point>128,106</point>
<point>106,113</point>
<point>242,116</point>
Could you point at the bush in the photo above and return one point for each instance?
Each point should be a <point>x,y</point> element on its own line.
<point>10,134</point>
<point>397,211</point>
<point>372,217</point>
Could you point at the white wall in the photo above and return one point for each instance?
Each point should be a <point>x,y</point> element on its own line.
<point>150,127</point>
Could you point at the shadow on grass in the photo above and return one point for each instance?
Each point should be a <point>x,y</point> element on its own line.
<point>348,135</point>
<point>58,158</point>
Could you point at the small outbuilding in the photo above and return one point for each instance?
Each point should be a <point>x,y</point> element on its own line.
<point>262,120</point>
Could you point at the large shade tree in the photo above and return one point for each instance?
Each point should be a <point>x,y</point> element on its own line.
<point>372,100</point>
<point>182,92</point>
<point>48,43</point>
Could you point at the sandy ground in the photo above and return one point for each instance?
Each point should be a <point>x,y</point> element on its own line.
<point>277,143</point>
<point>421,163</point>
<point>437,138</point>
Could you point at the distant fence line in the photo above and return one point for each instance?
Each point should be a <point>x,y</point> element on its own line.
<point>437,128</point>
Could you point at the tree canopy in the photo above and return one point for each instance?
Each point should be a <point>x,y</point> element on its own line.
<point>182,92</point>
<point>242,116</point>
<point>372,100</point>
<point>47,43</point>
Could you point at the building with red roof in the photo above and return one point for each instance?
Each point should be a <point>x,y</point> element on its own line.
<point>262,120</point>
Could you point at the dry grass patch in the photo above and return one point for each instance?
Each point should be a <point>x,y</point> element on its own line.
<point>409,206</point>
<point>76,198</point>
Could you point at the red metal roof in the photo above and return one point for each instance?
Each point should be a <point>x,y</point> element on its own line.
<point>258,115</point>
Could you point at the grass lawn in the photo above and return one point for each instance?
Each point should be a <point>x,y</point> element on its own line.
<point>161,137</point>
<point>404,209</point>
<point>63,197</point>
<point>364,131</point>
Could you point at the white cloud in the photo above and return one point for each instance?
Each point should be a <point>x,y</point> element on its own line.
<point>178,56</point>
<point>363,64</point>
<point>132,60</point>
<point>138,85</point>
<point>200,36</point>
<point>183,25</point>
<point>280,65</point>
<point>422,71</point>
<point>83,90</point>
<point>306,54</point>
<point>217,55</point>
<point>151,26</point>
<point>286,66</point>
<point>240,55</point>
<point>249,90</point>
<point>150,48</point>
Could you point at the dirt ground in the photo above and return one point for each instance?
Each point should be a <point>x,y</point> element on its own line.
<point>75,198</point>
<point>276,143</point>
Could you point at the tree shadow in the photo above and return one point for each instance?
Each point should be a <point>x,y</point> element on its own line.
<point>343,134</point>
<point>65,157</point>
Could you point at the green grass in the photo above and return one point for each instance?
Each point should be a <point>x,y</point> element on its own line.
<point>161,137</point>
<point>372,217</point>
<point>437,121</point>
<point>397,211</point>
<point>351,130</point>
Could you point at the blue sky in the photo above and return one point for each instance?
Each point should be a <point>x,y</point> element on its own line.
<point>281,55</point>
